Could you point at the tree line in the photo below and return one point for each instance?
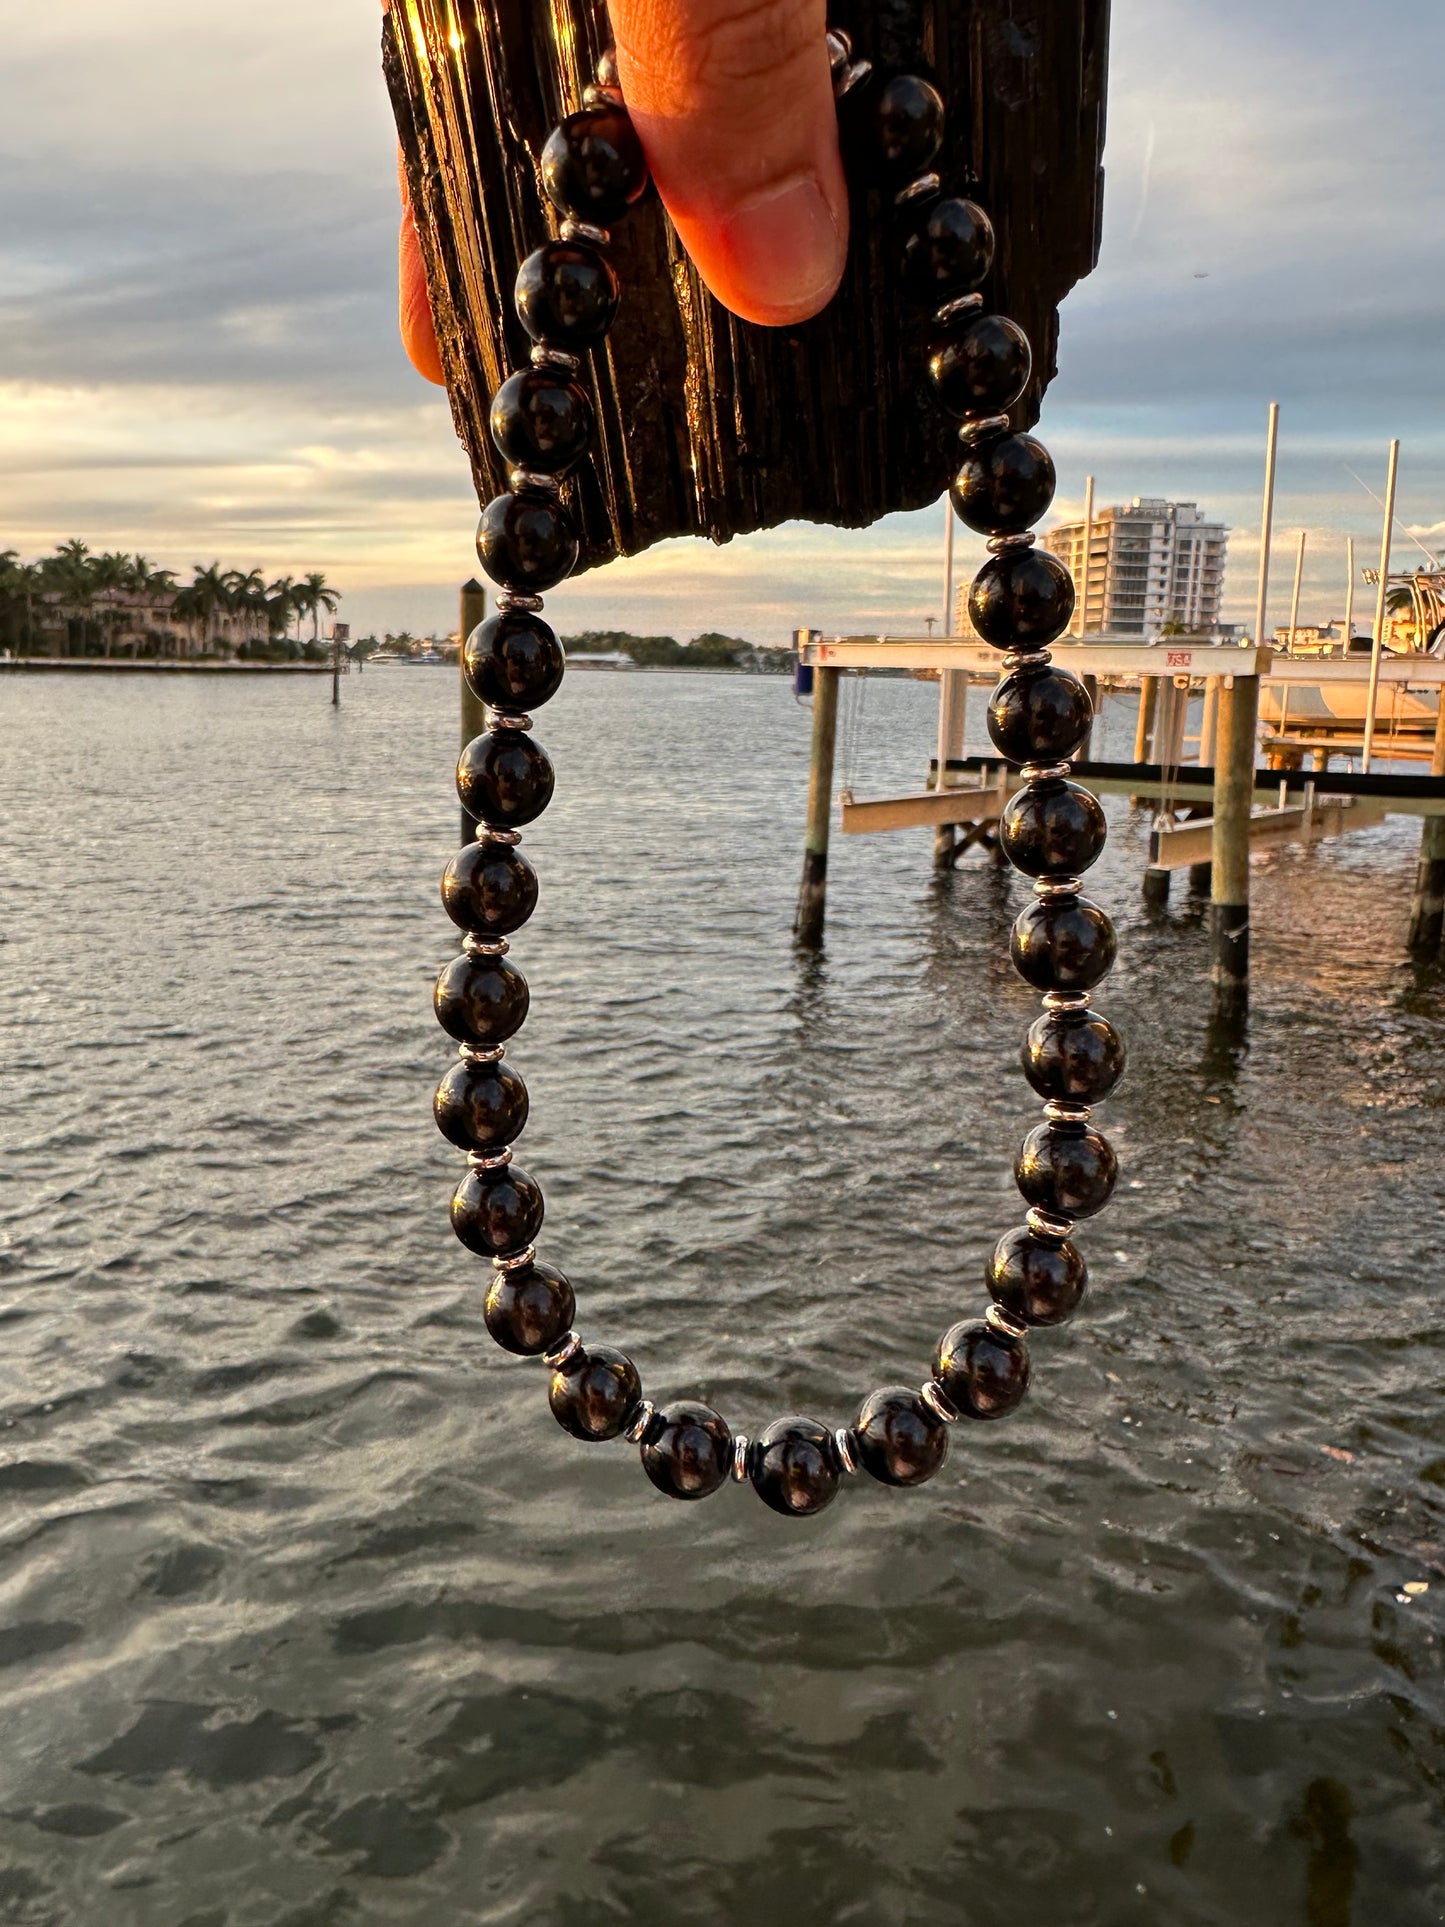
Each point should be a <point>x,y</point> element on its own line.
<point>89,604</point>
<point>710,651</point>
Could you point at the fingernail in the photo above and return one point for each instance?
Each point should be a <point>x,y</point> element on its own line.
<point>783,248</point>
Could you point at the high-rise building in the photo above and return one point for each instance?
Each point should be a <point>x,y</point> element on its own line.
<point>1151,564</point>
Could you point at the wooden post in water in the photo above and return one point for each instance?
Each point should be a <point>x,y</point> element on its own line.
<point>1233,801</point>
<point>1377,647</point>
<point>1091,684</point>
<point>813,895</point>
<point>1148,710</point>
<point>952,697</point>
<point>1427,912</point>
<point>473,609</point>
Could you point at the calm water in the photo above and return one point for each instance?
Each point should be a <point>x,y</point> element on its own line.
<point>311,1615</point>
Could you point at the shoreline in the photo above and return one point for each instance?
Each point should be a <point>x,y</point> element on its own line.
<point>101,665</point>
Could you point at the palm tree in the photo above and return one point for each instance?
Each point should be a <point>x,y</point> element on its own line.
<point>281,605</point>
<point>212,595</point>
<point>68,574</point>
<point>319,596</point>
<point>143,579</point>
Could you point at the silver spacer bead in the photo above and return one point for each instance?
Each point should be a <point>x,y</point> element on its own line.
<point>840,47</point>
<point>844,1440</point>
<point>938,1403</point>
<point>1066,1000</point>
<point>492,1056</point>
<point>917,190</point>
<point>741,1446</point>
<point>492,833</point>
<point>489,1161</point>
<point>507,719</point>
<point>981,426</point>
<point>1005,544</point>
<point>563,1352</point>
<point>636,1429</point>
<point>1004,1323</point>
<point>532,480</point>
<point>1045,772</point>
<point>476,946</point>
<point>607,75</point>
<point>963,304</point>
<point>517,599</point>
<point>545,357</point>
<point>571,230</point>
<point>1044,1225</point>
<point>1027,659</point>
<point>596,95</point>
<point>1058,1113</point>
<point>515,1260</point>
<point>1050,889</point>
<point>846,78</point>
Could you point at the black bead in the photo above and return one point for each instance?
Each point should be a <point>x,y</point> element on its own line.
<point>497,1212</point>
<point>794,1467</point>
<point>899,1439</point>
<point>688,1451</point>
<point>1040,715</point>
<point>1004,486</point>
<point>542,420</point>
<point>1066,944</point>
<point>1073,1056</point>
<point>904,120</point>
<point>981,1373</point>
<point>505,779</point>
<point>593,167</point>
<point>514,661</point>
<point>567,295</point>
<point>983,367</point>
<point>526,541</point>
<point>481,1001</point>
<point>480,1107</point>
<point>594,1395</point>
<point>529,1309</point>
<point>1066,1169</point>
<point>1037,1280</point>
<point>490,888</point>
<point>1053,828</point>
<point>950,253</point>
<point>1022,599</point>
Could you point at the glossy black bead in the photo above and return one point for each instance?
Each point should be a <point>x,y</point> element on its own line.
<point>481,1107</point>
<point>514,661</point>
<point>526,541</point>
<point>983,367</point>
<point>794,1467</point>
<point>1053,828</point>
<point>567,295</point>
<point>594,1395</point>
<point>489,888</point>
<point>528,1310</point>
<point>540,419</point>
<point>481,1001</point>
<point>1039,1281</point>
<point>505,779</point>
<point>1004,486</point>
<point>1068,944</point>
<point>1073,1056</point>
<point>593,167</point>
<point>1066,1169</point>
<point>899,1439</point>
<point>904,120</point>
<point>497,1212</point>
<point>1040,715</point>
<point>1022,599</point>
<point>949,253</point>
<point>688,1451</point>
<point>981,1373</point>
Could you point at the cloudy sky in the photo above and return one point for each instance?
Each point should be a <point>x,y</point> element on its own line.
<point>198,350</point>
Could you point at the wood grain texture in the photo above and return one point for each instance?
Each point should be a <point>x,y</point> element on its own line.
<point>709,425</point>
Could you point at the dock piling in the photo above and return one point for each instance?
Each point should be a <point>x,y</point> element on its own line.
<point>473,610</point>
<point>1427,912</point>
<point>1238,718</point>
<point>813,893</point>
<point>952,724</point>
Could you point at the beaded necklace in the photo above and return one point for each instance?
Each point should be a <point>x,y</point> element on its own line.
<point>1052,829</point>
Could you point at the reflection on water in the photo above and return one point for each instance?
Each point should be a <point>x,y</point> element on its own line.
<point>313,1617</point>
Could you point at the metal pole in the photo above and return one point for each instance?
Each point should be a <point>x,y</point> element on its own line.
<point>1233,802</point>
<point>1381,606</point>
<point>1267,531</point>
<point>335,671</point>
<point>1349,592</point>
<point>813,895</point>
<point>948,564</point>
<point>472,610</point>
<point>1299,576</point>
<point>1088,556</point>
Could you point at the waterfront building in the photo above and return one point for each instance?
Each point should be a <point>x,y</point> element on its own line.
<point>1154,566</point>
